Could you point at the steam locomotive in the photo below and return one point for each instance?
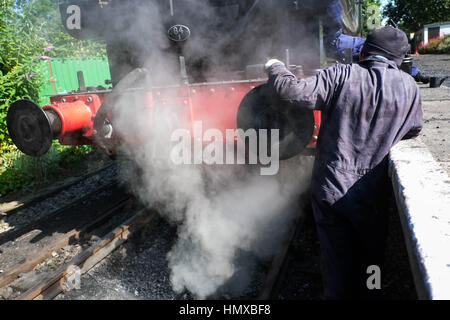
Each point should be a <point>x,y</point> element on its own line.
<point>205,56</point>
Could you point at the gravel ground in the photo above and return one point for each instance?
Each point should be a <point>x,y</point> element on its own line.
<point>27,279</point>
<point>139,270</point>
<point>32,213</point>
<point>44,234</point>
<point>28,228</point>
<point>136,270</point>
<point>436,130</point>
<point>436,107</point>
<point>434,65</point>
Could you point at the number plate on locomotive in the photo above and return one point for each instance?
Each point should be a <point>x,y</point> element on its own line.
<point>178,32</point>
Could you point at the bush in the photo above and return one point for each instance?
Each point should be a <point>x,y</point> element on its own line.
<point>19,75</point>
<point>27,30</point>
<point>444,46</point>
<point>31,31</point>
<point>438,45</point>
<point>19,171</point>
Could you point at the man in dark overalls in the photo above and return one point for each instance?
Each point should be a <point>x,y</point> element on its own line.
<point>367,107</point>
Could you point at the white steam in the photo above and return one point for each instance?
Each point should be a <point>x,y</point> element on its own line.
<point>221,210</point>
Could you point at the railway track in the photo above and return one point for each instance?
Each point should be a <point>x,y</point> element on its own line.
<point>22,250</point>
<point>294,266</point>
<point>56,282</point>
<point>277,273</point>
<point>9,208</point>
<point>19,231</point>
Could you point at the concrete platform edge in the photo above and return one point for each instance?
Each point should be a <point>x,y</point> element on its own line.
<point>422,192</point>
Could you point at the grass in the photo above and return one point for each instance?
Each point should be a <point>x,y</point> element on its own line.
<point>19,171</point>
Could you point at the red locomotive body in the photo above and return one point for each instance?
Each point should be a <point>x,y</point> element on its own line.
<point>212,85</point>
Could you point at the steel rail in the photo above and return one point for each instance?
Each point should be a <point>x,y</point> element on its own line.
<point>9,208</point>
<point>55,283</point>
<point>40,254</point>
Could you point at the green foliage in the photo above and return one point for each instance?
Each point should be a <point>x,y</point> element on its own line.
<point>370,20</point>
<point>13,179</point>
<point>27,27</point>
<point>17,50</point>
<point>18,171</point>
<point>413,15</point>
<point>45,18</point>
<point>439,45</point>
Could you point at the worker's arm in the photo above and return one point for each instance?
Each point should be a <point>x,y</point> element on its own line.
<point>313,92</point>
<point>417,116</point>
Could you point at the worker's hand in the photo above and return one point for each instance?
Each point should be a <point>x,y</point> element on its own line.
<point>270,63</point>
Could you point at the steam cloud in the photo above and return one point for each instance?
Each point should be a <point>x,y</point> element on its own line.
<point>221,211</point>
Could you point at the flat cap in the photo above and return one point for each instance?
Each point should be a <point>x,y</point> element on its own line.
<point>388,42</point>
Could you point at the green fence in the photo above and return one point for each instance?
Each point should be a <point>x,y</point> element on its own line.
<point>61,75</point>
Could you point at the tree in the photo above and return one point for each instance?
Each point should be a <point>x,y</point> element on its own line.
<point>413,15</point>
<point>43,17</point>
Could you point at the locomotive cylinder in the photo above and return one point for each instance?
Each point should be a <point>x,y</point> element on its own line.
<point>33,128</point>
<point>73,116</point>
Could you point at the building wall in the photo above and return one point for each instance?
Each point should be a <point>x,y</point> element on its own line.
<point>444,31</point>
<point>60,75</point>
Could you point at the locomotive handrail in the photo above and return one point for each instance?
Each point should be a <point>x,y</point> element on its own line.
<point>171,86</point>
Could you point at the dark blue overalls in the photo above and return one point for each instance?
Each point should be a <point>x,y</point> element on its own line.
<point>366,107</point>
